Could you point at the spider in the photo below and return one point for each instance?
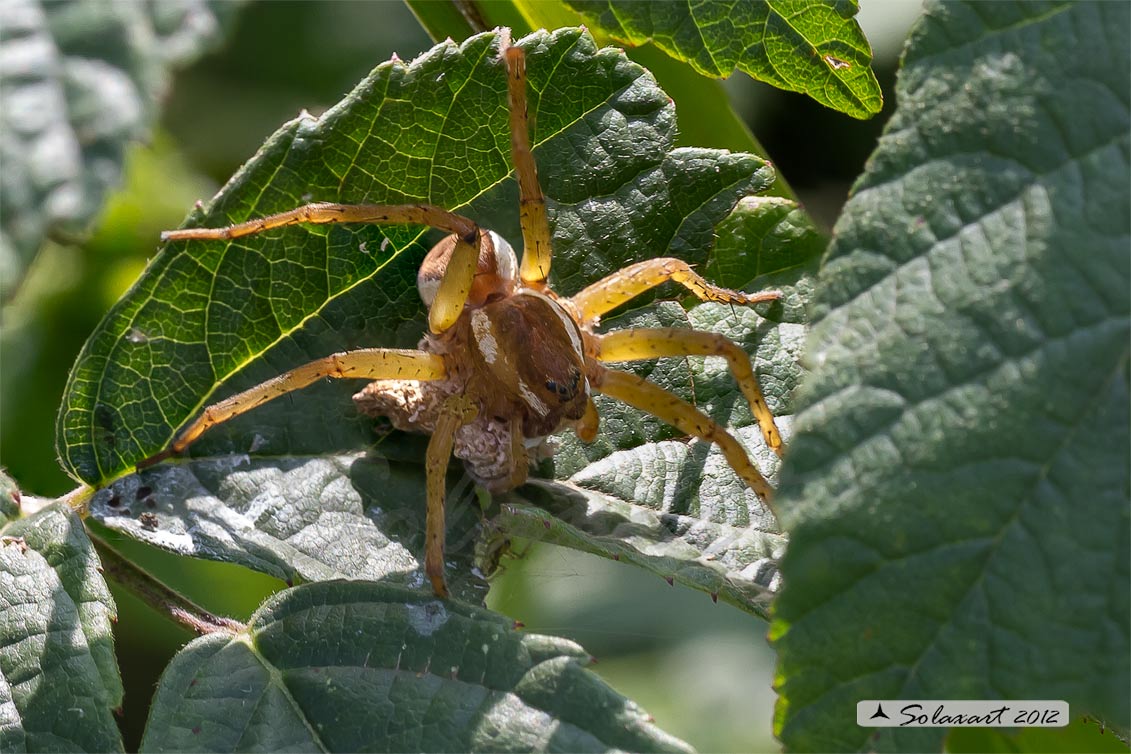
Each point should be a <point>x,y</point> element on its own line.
<point>506,361</point>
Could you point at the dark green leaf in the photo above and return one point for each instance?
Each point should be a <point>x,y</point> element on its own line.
<point>315,518</point>
<point>80,83</point>
<point>1081,734</point>
<point>957,490</point>
<point>210,318</point>
<point>59,680</point>
<point>640,496</point>
<point>736,562</point>
<point>353,666</point>
<point>812,47</point>
<point>434,131</point>
<point>771,240</point>
<point>447,20</point>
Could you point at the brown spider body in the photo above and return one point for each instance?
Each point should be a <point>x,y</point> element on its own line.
<point>521,356</point>
<point>506,361</point>
<point>515,352</point>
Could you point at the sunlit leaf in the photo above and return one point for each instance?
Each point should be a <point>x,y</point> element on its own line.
<point>207,319</point>
<point>312,518</point>
<point>816,48</point>
<point>59,679</point>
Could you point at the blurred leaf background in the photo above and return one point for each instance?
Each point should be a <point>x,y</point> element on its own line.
<point>654,643</point>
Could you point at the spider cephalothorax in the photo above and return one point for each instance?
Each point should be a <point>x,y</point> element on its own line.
<point>516,353</point>
<point>506,361</point>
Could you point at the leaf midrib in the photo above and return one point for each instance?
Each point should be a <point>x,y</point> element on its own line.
<point>275,676</point>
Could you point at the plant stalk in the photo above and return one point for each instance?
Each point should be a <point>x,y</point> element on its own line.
<point>157,595</point>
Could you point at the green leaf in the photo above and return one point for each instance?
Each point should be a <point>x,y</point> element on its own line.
<point>441,20</point>
<point>313,518</point>
<point>801,46</point>
<point>1081,734</point>
<point>59,679</point>
<point>352,666</point>
<point>641,496</point>
<point>80,83</point>
<point>771,240</point>
<point>957,490</point>
<point>208,319</point>
<point>735,562</point>
<point>9,499</point>
<point>714,122</point>
<point>205,312</point>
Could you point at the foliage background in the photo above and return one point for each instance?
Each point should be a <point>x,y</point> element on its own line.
<point>654,644</point>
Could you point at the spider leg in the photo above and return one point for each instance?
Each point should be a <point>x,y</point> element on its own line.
<point>519,457</point>
<point>536,253</point>
<point>641,394</point>
<point>587,426</point>
<point>644,343</point>
<point>367,363</point>
<point>322,213</point>
<point>458,277</point>
<point>610,292</point>
<point>456,411</point>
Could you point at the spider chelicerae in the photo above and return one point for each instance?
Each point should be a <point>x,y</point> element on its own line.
<point>506,361</point>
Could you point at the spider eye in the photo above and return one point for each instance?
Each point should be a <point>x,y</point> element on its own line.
<point>563,391</point>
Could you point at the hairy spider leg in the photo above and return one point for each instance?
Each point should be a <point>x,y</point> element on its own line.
<point>365,363</point>
<point>641,394</point>
<point>647,343</point>
<point>536,252</point>
<point>456,411</point>
<point>458,277</point>
<point>610,292</point>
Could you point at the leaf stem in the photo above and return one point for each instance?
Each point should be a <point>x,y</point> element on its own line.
<point>458,19</point>
<point>78,499</point>
<point>157,595</point>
